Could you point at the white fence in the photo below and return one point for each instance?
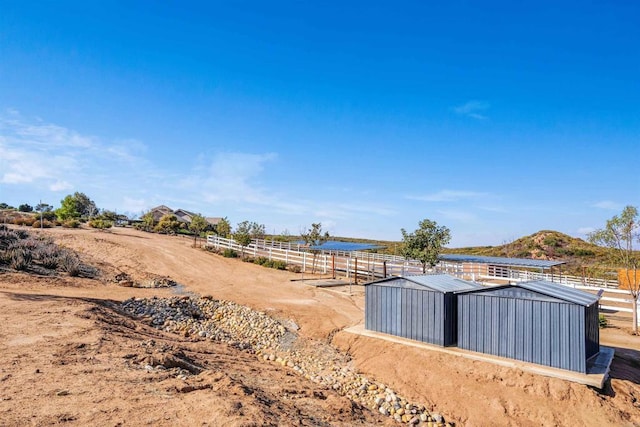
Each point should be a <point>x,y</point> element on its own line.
<point>369,266</point>
<point>364,267</point>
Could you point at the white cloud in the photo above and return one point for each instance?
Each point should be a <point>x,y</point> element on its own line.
<point>60,186</point>
<point>472,109</point>
<point>39,155</point>
<point>608,205</point>
<point>449,196</point>
<point>39,160</point>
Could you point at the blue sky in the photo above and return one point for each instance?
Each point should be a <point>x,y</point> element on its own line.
<point>493,118</point>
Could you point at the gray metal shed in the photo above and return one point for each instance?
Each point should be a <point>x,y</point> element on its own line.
<point>420,307</point>
<point>539,322</point>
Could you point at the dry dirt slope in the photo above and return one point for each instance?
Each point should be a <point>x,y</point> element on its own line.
<point>78,361</point>
<point>70,358</point>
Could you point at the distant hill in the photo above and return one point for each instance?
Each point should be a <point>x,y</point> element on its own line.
<point>548,245</point>
<point>581,257</point>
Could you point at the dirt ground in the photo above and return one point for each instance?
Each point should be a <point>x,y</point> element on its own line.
<point>69,357</point>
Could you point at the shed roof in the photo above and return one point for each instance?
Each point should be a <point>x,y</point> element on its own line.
<point>332,245</point>
<point>545,289</point>
<point>438,282</point>
<point>514,262</point>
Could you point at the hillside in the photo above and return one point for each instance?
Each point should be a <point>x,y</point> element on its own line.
<point>581,257</point>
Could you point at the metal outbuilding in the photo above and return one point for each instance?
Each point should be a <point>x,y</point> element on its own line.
<point>539,322</point>
<point>420,307</point>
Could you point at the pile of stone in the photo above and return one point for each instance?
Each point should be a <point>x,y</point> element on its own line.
<point>123,279</point>
<point>273,342</point>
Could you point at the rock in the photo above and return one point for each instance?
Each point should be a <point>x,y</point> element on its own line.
<point>437,417</point>
<point>272,340</point>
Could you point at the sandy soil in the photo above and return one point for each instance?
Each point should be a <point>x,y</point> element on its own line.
<point>69,357</point>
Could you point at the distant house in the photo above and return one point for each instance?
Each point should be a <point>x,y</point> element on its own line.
<point>160,211</point>
<point>182,215</point>
<point>213,221</point>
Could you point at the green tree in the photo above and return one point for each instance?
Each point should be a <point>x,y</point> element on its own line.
<point>25,208</point>
<point>68,209</point>
<point>198,225</point>
<point>148,222</point>
<point>242,235</point>
<point>426,243</point>
<point>85,206</point>
<point>223,228</point>
<point>114,217</point>
<point>619,234</point>
<point>168,224</point>
<point>246,231</point>
<point>314,237</point>
<point>76,205</point>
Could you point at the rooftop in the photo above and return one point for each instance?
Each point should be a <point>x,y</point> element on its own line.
<point>541,290</point>
<point>512,262</point>
<point>437,282</point>
<point>332,245</point>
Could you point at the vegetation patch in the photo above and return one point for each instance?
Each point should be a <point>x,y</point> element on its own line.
<point>20,251</point>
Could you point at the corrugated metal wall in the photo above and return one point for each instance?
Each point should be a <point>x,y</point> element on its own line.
<point>543,332</point>
<point>421,315</point>
<point>592,330</point>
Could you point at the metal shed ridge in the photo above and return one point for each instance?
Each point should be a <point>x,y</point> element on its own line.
<point>549,289</point>
<point>515,262</point>
<point>438,282</point>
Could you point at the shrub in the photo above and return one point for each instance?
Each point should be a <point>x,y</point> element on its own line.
<point>48,256</point>
<point>100,223</point>
<point>45,224</point>
<point>22,234</point>
<point>28,244</point>
<point>584,252</point>
<point>70,263</point>
<point>261,260</point>
<point>20,259</point>
<point>8,238</point>
<point>229,253</point>
<point>294,268</point>
<point>278,265</point>
<point>18,221</point>
<point>602,321</point>
<point>71,223</point>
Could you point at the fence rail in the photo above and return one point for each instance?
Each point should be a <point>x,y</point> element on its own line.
<point>368,266</point>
